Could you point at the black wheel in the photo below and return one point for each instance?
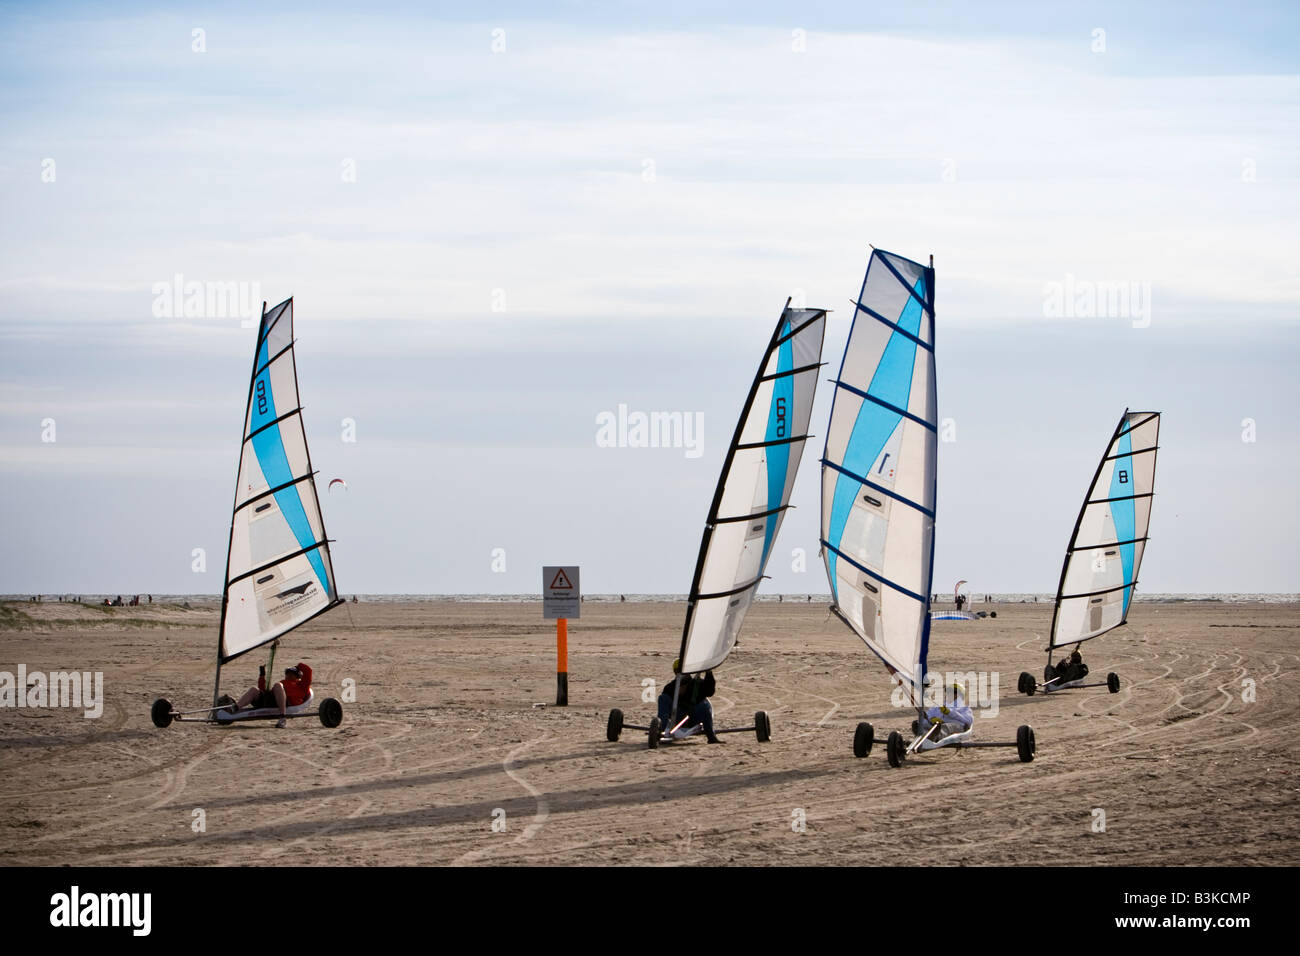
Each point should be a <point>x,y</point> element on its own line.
<point>863,738</point>
<point>993,613</point>
<point>1049,672</point>
<point>162,712</point>
<point>762,727</point>
<point>615,725</point>
<point>916,728</point>
<point>654,733</point>
<point>1112,682</point>
<point>895,749</point>
<point>331,712</point>
<point>1025,745</point>
<point>1023,685</point>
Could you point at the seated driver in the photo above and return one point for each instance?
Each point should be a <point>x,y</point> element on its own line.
<point>295,689</point>
<point>693,699</point>
<point>953,716</point>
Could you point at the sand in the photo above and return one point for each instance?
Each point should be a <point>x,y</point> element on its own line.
<point>444,740</point>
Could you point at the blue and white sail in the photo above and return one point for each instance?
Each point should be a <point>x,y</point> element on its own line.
<point>879,468</point>
<point>278,569</point>
<point>1100,572</point>
<point>754,489</point>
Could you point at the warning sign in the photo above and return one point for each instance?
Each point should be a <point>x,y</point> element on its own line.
<point>561,596</point>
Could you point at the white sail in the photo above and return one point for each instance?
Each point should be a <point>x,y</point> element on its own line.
<point>879,467</point>
<point>278,570</point>
<point>754,489</point>
<point>1101,564</point>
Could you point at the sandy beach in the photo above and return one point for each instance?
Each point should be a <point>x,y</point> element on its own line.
<point>447,737</point>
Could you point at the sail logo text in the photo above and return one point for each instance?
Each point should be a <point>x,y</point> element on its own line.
<point>179,299</point>
<point>103,909</point>
<point>624,429</point>
<point>36,689</point>
<point>1085,299</point>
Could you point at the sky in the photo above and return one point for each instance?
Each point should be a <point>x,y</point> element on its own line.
<point>499,221</point>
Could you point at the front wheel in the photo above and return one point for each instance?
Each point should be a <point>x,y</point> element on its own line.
<point>615,725</point>
<point>1025,745</point>
<point>331,712</point>
<point>895,749</point>
<point>762,727</point>
<point>863,738</point>
<point>1112,682</point>
<point>162,712</point>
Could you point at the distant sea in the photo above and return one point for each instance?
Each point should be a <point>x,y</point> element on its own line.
<point>798,598</point>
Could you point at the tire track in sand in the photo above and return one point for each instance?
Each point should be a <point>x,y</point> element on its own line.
<point>543,805</point>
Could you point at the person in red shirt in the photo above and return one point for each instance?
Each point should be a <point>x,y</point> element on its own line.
<point>292,691</point>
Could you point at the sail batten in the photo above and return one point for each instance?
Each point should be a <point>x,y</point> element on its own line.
<point>879,467</point>
<point>1100,572</point>
<point>753,491</point>
<point>278,568</point>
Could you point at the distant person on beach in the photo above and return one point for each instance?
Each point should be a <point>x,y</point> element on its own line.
<point>292,691</point>
<point>692,699</point>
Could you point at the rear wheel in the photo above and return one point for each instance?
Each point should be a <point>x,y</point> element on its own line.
<point>655,729</point>
<point>162,712</point>
<point>762,727</point>
<point>1028,685</point>
<point>1112,682</point>
<point>895,749</point>
<point>331,712</point>
<point>863,738</point>
<point>1025,745</point>
<point>615,725</point>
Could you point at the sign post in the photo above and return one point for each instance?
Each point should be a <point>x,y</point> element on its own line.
<point>561,600</point>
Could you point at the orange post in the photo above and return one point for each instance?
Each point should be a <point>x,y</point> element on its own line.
<point>561,662</point>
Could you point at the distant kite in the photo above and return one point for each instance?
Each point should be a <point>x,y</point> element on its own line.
<point>338,481</point>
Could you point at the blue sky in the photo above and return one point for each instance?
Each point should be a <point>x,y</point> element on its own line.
<point>612,209</point>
